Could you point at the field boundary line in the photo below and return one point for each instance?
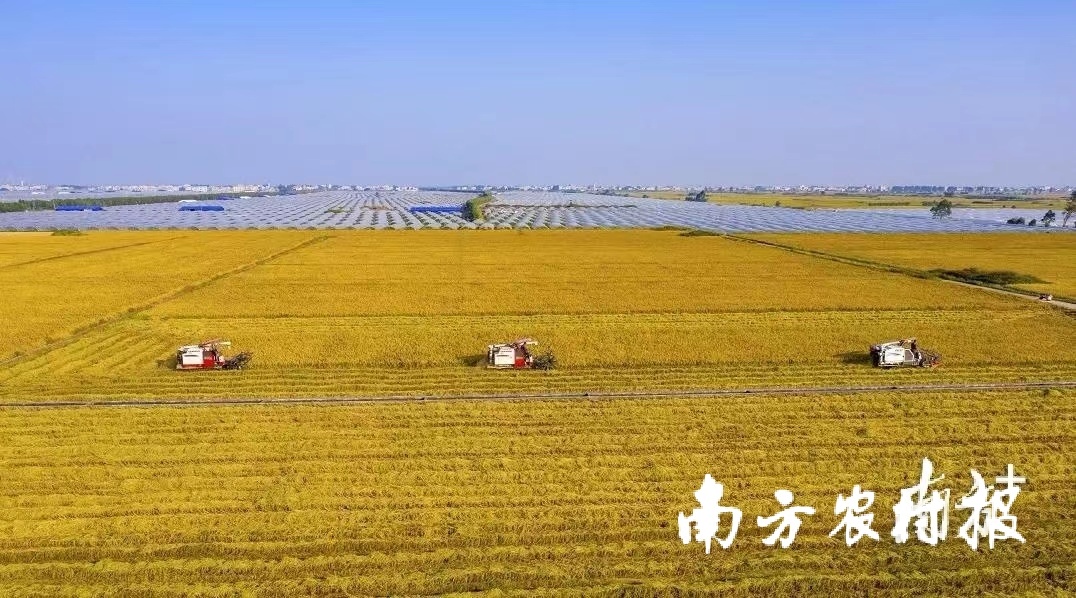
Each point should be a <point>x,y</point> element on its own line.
<point>894,269</point>
<point>540,396</point>
<point>159,300</point>
<point>88,252</point>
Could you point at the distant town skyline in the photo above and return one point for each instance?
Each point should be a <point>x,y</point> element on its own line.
<point>529,93</point>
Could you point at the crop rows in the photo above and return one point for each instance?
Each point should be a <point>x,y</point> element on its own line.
<point>325,358</point>
<point>584,340</point>
<point>279,382</point>
<point>544,497</point>
<point>554,272</point>
<point>516,210</point>
<point>51,294</point>
<point>377,313</point>
<point>536,497</point>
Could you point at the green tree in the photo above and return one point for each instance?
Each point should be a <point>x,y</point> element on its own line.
<point>1048,218</point>
<point>942,209</point>
<point>1070,210</point>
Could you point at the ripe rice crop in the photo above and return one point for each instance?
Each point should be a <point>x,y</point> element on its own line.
<point>544,497</point>
<point>544,272</point>
<point>539,497</point>
<point>55,286</point>
<point>1051,258</point>
<point>412,312</point>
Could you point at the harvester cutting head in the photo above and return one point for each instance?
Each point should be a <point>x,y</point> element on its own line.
<point>903,353</point>
<point>518,355</point>
<point>209,355</point>
<point>237,362</point>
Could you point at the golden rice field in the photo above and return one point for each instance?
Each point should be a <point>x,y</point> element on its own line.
<point>410,312</point>
<point>537,498</point>
<point>1050,257</point>
<point>53,286</point>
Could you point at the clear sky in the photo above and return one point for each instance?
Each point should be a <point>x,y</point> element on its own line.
<point>539,92</point>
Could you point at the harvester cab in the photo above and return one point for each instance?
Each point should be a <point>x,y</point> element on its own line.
<point>209,356</point>
<point>902,353</point>
<point>518,355</point>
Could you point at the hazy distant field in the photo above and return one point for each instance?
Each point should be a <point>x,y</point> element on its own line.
<point>518,210</point>
<point>367,312</point>
<point>861,201</point>
<point>6,196</point>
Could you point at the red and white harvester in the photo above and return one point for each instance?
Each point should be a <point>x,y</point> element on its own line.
<point>903,354</point>
<point>209,356</point>
<point>517,355</point>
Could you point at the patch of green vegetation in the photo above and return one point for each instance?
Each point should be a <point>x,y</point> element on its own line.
<point>26,205</point>
<point>700,233</point>
<point>475,208</point>
<point>670,227</point>
<point>990,277</point>
<point>67,232</point>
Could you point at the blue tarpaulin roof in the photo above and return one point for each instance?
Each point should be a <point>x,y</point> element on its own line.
<point>201,208</point>
<point>79,208</point>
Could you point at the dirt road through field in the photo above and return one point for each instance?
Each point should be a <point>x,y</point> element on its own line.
<point>1055,303</point>
<point>715,393</point>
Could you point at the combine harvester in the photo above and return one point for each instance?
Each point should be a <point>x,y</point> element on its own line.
<point>903,353</point>
<point>518,356</point>
<point>209,356</point>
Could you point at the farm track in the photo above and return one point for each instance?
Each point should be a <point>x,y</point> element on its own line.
<point>1060,304</point>
<point>701,393</point>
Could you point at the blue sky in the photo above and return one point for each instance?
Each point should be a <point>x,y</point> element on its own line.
<point>718,93</point>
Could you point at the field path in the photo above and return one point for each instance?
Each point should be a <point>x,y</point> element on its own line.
<point>720,392</point>
<point>1055,303</point>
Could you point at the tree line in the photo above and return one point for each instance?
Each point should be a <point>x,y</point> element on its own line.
<point>944,209</point>
<point>27,205</point>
